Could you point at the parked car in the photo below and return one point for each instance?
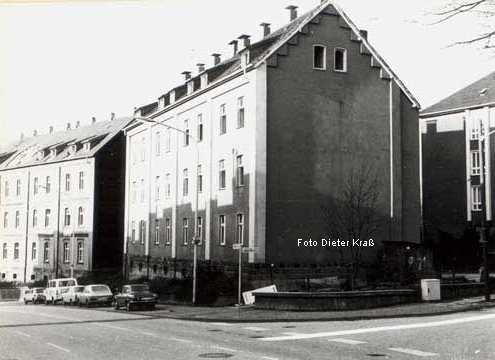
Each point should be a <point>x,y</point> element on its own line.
<point>135,295</point>
<point>95,294</point>
<point>71,297</point>
<point>57,287</point>
<point>34,295</point>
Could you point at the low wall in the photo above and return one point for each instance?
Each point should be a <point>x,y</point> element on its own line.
<point>324,301</point>
<point>10,294</point>
<point>463,290</point>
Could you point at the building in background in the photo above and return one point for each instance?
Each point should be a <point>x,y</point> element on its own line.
<point>455,201</point>
<point>277,126</point>
<point>61,202</point>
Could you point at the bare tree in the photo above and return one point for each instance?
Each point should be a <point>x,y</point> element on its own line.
<point>355,216</point>
<point>482,8</point>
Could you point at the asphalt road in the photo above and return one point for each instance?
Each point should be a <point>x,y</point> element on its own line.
<point>58,332</point>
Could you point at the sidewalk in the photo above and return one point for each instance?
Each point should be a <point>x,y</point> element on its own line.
<point>250,314</point>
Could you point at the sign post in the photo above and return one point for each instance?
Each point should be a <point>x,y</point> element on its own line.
<point>241,251</point>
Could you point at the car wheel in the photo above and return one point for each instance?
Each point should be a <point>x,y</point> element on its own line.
<point>128,306</point>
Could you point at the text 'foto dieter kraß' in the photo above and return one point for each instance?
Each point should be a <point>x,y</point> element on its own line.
<point>335,243</point>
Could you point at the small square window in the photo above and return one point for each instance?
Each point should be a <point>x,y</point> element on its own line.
<point>340,60</point>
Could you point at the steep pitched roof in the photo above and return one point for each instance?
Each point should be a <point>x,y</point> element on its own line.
<point>25,152</point>
<point>478,93</point>
<point>260,51</point>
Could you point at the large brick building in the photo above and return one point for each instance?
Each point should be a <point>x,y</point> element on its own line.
<point>452,157</point>
<point>277,126</point>
<point>61,202</point>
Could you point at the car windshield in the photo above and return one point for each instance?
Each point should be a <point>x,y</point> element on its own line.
<point>39,291</point>
<point>100,288</point>
<point>78,288</point>
<point>139,288</point>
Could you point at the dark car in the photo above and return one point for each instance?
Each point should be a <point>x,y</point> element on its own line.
<point>136,295</point>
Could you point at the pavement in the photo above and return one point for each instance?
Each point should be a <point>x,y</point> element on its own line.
<point>63,333</point>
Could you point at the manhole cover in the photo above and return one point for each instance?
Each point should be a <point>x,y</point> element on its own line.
<point>214,330</point>
<point>256,337</point>
<point>376,355</point>
<point>288,327</point>
<point>215,355</point>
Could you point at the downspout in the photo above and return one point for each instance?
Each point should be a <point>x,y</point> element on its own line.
<point>27,227</point>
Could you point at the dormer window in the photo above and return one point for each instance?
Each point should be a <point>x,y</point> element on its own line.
<point>87,146</point>
<point>190,87</point>
<point>245,58</point>
<point>340,60</point>
<point>72,149</point>
<point>53,152</point>
<point>319,57</point>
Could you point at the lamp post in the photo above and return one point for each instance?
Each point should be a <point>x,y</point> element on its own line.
<point>196,235</point>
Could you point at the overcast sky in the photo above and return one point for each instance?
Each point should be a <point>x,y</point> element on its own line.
<point>66,61</point>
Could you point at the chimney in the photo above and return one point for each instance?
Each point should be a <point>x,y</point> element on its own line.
<point>93,120</point>
<point>50,129</point>
<point>68,126</point>
<point>112,116</point>
<point>245,39</point>
<point>234,43</point>
<point>78,123</point>
<point>293,12</point>
<point>266,29</point>
<point>216,59</point>
<point>35,133</point>
<point>187,74</point>
<point>364,34</point>
<point>201,67</point>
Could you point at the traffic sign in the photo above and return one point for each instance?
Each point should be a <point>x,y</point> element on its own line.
<point>237,246</point>
<point>250,249</point>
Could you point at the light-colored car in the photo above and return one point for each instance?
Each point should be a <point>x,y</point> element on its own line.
<point>34,295</point>
<point>95,294</point>
<point>56,288</point>
<point>71,297</point>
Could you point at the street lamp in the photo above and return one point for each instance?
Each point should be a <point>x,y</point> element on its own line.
<point>196,235</point>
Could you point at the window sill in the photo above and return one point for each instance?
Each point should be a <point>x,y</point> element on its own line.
<point>319,69</point>
<point>340,71</point>
<point>185,244</point>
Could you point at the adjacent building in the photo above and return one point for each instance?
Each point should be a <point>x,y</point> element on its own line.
<point>456,195</point>
<point>264,136</point>
<point>61,202</point>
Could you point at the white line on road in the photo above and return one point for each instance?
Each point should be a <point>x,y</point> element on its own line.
<point>269,358</point>
<point>58,347</point>
<point>223,348</point>
<point>413,352</point>
<point>221,323</point>
<point>255,328</point>
<point>381,328</point>
<point>181,340</point>
<point>23,334</point>
<point>149,334</point>
<point>111,326</point>
<point>291,333</point>
<point>348,341</point>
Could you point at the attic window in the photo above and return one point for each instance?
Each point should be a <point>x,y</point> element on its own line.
<point>482,92</point>
<point>53,152</point>
<point>319,57</point>
<point>87,146</point>
<point>190,87</point>
<point>73,149</point>
<point>340,60</point>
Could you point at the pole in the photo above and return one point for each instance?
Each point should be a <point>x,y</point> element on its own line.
<point>483,234</point>
<point>240,279</point>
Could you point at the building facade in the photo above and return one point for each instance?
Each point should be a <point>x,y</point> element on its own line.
<point>456,195</point>
<point>265,136</point>
<point>61,197</point>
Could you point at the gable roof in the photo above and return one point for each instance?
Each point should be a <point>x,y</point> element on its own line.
<point>26,151</point>
<point>260,51</point>
<point>479,93</point>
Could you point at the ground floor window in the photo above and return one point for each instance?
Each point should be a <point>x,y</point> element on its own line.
<point>80,251</point>
<point>46,252</point>
<point>221,232</point>
<point>66,251</point>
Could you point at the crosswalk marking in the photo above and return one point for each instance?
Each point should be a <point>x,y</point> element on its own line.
<point>255,328</point>
<point>348,341</point>
<point>413,352</point>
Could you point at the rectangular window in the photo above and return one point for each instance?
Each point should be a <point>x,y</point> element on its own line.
<point>143,149</point>
<point>47,217</point>
<point>80,251</point>
<point>200,179</point>
<point>81,180</point>
<point>33,251</point>
<point>221,231</point>
<point>475,129</point>
<point>142,190</point>
<point>5,251</point>
<point>66,252</point>
<point>67,217</point>
<point>168,185</point>
<point>157,232</point>
<point>185,229</point>
<point>475,163</point>
<point>186,132</point>
<point>319,57</point>
<point>340,59</point>
<point>240,112</point>
<point>48,184</point>
<point>35,218</point>
<point>185,183</point>
<point>80,216</point>
<point>5,220</point>
<point>157,143</point>
<point>221,176</point>
<point>142,232</point>
<point>240,229</point>
<point>168,232</point>
<point>18,188</point>
<point>46,252</point>
<point>223,120</point>
<point>17,219</point>
<point>35,186</point>
<point>134,185</point>
<point>476,198</point>
<point>67,182</point>
<point>199,136</point>
<point>199,229</point>
<point>6,189</point>
<point>157,188</point>
<point>239,171</point>
<point>133,231</point>
<point>168,141</point>
<point>16,251</point>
